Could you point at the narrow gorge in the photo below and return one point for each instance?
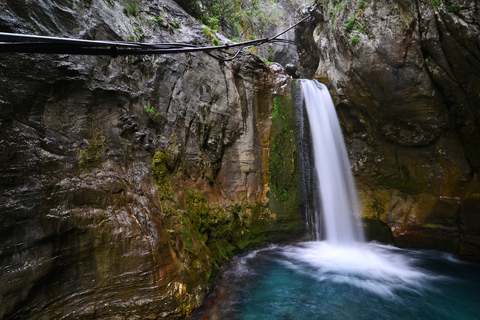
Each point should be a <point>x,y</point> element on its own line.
<point>128,183</point>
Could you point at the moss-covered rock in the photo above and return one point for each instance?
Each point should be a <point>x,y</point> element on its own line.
<point>285,190</point>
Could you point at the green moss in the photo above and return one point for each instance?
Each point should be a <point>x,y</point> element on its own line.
<point>283,174</point>
<point>187,239</point>
<point>92,157</point>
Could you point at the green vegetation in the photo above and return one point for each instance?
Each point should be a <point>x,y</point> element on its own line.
<point>137,36</point>
<point>92,157</point>
<point>175,23</point>
<point>268,63</point>
<point>436,3</point>
<point>362,4</point>
<point>238,18</point>
<point>131,10</point>
<point>158,19</point>
<point>282,172</point>
<point>151,112</point>
<point>209,33</point>
<point>277,110</point>
<point>454,8</point>
<point>354,39</point>
<point>213,23</point>
<point>350,24</point>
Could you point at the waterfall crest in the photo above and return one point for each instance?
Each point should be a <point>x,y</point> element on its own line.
<point>338,196</point>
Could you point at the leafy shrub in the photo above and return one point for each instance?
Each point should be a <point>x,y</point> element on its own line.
<point>436,3</point>
<point>350,24</point>
<point>151,112</point>
<point>354,39</point>
<point>454,8</point>
<point>213,23</point>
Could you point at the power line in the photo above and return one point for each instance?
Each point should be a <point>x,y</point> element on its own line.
<point>20,43</point>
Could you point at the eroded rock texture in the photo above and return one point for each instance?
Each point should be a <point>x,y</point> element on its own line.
<point>407,76</point>
<point>126,182</point>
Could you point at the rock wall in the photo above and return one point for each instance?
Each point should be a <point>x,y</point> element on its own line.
<point>126,182</point>
<point>406,75</point>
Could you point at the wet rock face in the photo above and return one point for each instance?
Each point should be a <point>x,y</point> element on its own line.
<point>83,230</point>
<point>406,74</point>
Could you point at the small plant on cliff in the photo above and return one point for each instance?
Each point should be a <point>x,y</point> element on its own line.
<point>213,23</point>
<point>131,10</point>
<point>137,36</point>
<point>268,63</point>
<point>151,112</point>
<point>436,3</point>
<point>454,8</point>
<point>175,23</point>
<point>209,33</point>
<point>350,24</point>
<point>354,39</point>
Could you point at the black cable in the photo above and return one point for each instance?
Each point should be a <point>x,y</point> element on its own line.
<point>10,42</point>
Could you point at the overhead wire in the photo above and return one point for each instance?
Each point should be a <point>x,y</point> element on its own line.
<point>21,43</point>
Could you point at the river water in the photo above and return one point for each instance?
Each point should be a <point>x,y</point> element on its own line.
<point>342,277</point>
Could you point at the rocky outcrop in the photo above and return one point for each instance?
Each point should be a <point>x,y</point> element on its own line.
<point>126,182</point>
<point>407,78</point>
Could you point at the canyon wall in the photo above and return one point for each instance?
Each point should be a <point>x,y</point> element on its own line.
<point>125,183</point>
<point>406,76</point>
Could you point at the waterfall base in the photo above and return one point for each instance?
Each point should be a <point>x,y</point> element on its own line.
<point>317,280</point>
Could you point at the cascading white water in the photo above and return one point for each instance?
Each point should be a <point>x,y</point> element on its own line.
<point>338,195</point>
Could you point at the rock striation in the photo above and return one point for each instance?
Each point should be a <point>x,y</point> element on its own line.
<point>407,78</point>
<point>126,182</point>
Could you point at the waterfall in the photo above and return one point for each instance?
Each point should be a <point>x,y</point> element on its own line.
<point>337,193</point>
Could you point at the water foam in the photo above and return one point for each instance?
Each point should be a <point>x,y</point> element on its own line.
<point>376,268</point>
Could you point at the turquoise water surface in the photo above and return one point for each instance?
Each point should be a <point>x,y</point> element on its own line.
<point>316,280</point>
